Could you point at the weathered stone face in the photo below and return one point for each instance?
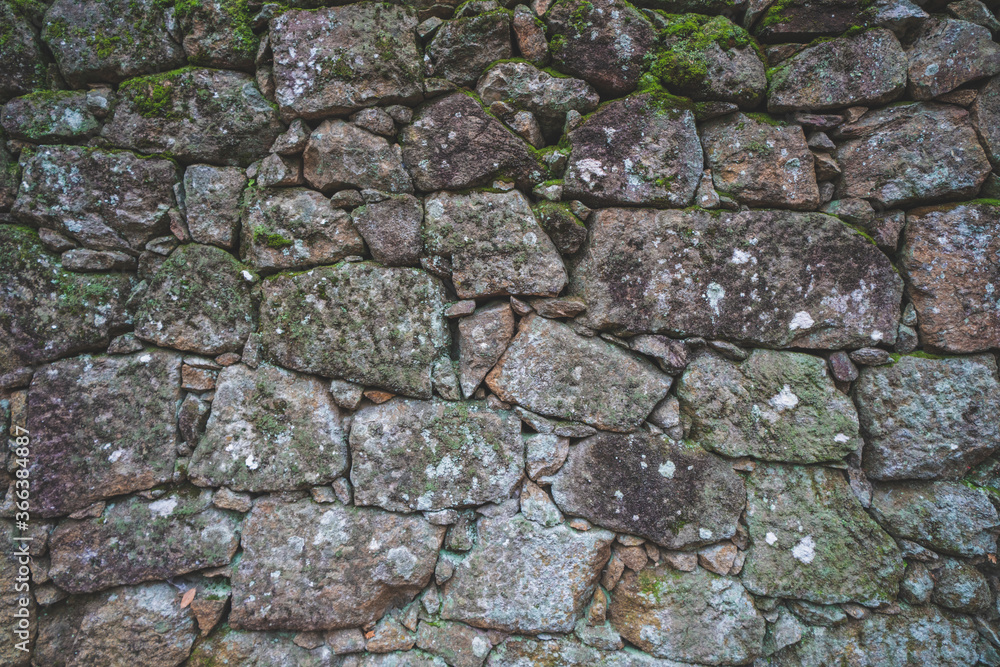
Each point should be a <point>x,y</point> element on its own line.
<point>218,33</point>
<point>67,188</point>
<point>911,154</point>
<point>137,540</point>
<point>21,54</point>
<point>677,495</point>
<point>811,540</point>
<point>164,113</point>
<point>587,379</point>
<point>494,242</point>
<point>289,228</point>
<point>49,117</point>
<point>10,175</point>
<point>803,20</point>
<point>360,322</point>
<point>430,455</point>
<point>482,338</point>
<point>986,118</point>
<point>270,430</point>
<point>101,426</point>
<point>865,69</point>
<point>463,48</point>
<point>391,229</point>
<point>521,577</point>
<point>211,202</point>
<point>775,406</point>
<point>948,53</point>
<point>340,566</point>
<point>340,155</point>
<point>635,151</point>
<point>459,644</point>
<point>689,616</point>
<point>238,647</point>
<point>949,258</point>
<point>197,301</point>
<point>744,291</point>
<point>359,55</point>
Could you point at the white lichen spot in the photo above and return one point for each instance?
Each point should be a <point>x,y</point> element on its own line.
<point>115,455</point>
<point>771,538</point>
<point>704,533</point>
<point>805,550</point>
<point>714,295</point>
<point>403,561</point>
<point>784,399</point>
<point>146,358</point>
<point>801,320</point>
<point>247,276</point>
<point>667,469</point>
<point>840,437</point>
<point>739,256</point>
<point>619,495</point>
<point>480,646</point>
<point>163,507</point>
<point>252,462</point>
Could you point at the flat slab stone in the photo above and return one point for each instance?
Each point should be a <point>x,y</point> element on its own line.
<point>270,429</point>
<point>495,244</point>
<point>948,53</point>
<point>339,566</point>
<point>947,257</point>
<point>411,455</point>
<point>212,203</point>
<point>115,413</point>
<point>803,20</point>
<point>696,617</point>
<point>238,647</point>
<point>675,494</point>
<point>340,155</point>
<point>139,540</point>
<point>361,322</point>
<point>810,539</point>
<point>775,406</point>
<point>644,271</point>
<point>518,651</point>
<point>585,379</point>
<point>521,577</point>
<point>49,117</point>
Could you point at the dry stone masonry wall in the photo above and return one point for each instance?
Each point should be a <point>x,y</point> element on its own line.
<point>568,333</point>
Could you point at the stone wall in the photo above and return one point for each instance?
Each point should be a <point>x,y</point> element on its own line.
<point>582,333</point>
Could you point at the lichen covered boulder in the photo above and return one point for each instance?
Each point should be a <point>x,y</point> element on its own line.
<point>218,33</point>
<point>461,49</point>
<point>340,155</point>
<point>49,117</point>
<point>21,53</point>
<point>948,53</point>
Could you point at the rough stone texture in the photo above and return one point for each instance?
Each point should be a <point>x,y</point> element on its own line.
<point>677,495</point>
<point>391,228</point>
<point>949,256</point>
<point>49,117</point>
<point>945,516</point>
<point>270,430</point>
<point>100,427</point>
<point>66,188</point>
<point>458,644</point>
<point>494,243</point>
<point>359,55</point>
<point>775,406</point>
<point>170,113</point>
<point>10,175</point>
<point>725,287</point>
<point>21,54</point>
<point>911,154</point>
<point>948,53</point>
<point>339,567</point>
<point>635,151</point>
<point>565,229</point>
<point>360,322</point>
<point>803,20</point>
<point>482,338</point>
<point>288,228</point>
<point>340,155</point>
<point>411,455</point>
<point>584,379</point>
<point>521,577</point>
<point>518,651</point>
<point>865,69</point>
<point>928,418</point>
<point>463,48</point>
<point>694,617</point>
<point>197,301</point>
<point>218,33</point>
<point>985,111</point>
<point>256,649</point>
<point>211,202</point>
<point>811,540</point>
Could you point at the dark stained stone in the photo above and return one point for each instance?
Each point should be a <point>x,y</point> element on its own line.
<point>218,33</point>
<point>949,53</point>
<point>986,118</point>
<point>565,229</point>
<point>377,326</point>
<point>49,117</point>
<point>738,279</point>
<point>212,203</point>
<point>391,229</point>
<point>10,175</point>
<point>463,48</point>
<point>23,70</point>
<point>803,20</point>
<point>340,155</point>
<point>676,494</point>
<point>339,566</point>
<point>256,649</point>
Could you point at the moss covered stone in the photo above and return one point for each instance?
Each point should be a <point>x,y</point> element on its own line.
<point>218,33</point>
<point>49,117</point>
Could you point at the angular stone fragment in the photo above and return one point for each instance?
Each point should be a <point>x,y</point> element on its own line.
<point>67,188</point>
<point>911,153</point>
<point>986,119</point>
<point>945,516</point>
<point>339,566</point>
<point>270,430</point>
<point>453,144</point>
<point>677,495</point>
<point>961,587</point>
<point>361,55</point>
<point>948,53</point>
<point>294,227</point>
<point>602,42</point>
<point>340,155</point>
<point>812,540</point>
<point>144,625</point>
<point>949,259</point>
<point>47,312</point>
<point>635,151</point>
<point>49,117</point>
<point>775,406</point>
<point>238,647</point>
<point>867,68</point>
<point>494,243</point>
<point>197,301</point>
<point>117,414</point>
<point>565,229</point>
<point>110,40</point>
<point>586,379</point>
<point>695,617</point>
<point>459,645</point>
<point>21,54</point>
<point>636,275</point>
<point>547,97</point>
<point>463,48</point>
<point>361,322</point>
<point>482,338</point>
<point>521,577</point>
<point>212,203</point>
<point>391,228</point>
<point>411,455</point>
<point>218,33</point>
<point>759,162</point>
<point>137,540</point>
